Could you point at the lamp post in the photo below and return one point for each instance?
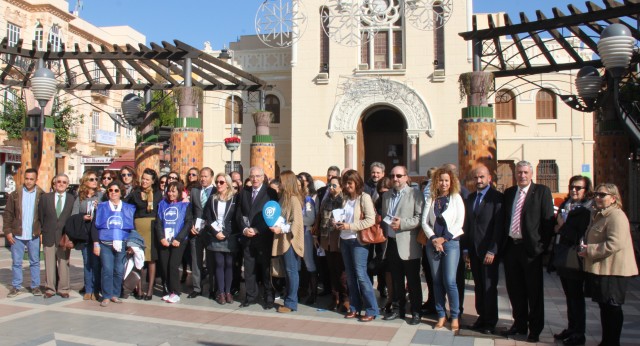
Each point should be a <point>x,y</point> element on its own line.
<point>43,86</point>
<point>224,55</point>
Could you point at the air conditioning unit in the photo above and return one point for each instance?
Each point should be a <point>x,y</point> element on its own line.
<point>363,67</point>
<point>398,66</point>
<point>323,75</point>
<point>438,73</point>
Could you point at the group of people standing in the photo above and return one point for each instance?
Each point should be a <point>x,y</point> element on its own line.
<point>217,220</point>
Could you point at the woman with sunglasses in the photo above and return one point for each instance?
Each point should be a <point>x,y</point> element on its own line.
<point>571,224</point>
<point>88,197</point>
<point>192,180</point>
<point>146,198</point>
<point>162,183</point>
<point>219,216</point>
<point>609,260</point>
<point>442,220</point>
<point>329,237</point>
<point>109,232</point>
<point>172,228</point>
<point>288,239</point>
<point>106,178</point>
<point>129,179</point>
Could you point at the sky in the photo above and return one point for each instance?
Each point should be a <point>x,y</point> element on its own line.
<point>224,21</point>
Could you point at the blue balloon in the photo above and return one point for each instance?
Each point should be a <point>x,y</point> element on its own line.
<point>271,213</point>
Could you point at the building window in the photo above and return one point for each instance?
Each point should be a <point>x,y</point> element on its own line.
<point>381,50</point>
<point>547,174</point>
<point>129,132</point>
<point>13,34</point>
<point>381,43</point>
<point>324,40</point>
<point>545,105</point>
<point>38,36</point>
<point>237,110</point>
<point>397,47</point>
<point>96,74</point>
<point>95,125</point>
<point>438,38</point>
<point>237,167</point>
<point>505,105</point>
<point>272,104</point>
<point>116,128</point>
<point>55,38</point>
<point>505,175</point>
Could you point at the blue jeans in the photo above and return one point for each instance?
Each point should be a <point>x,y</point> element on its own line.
<point>17,253</point>
<point>291,266</point>
<point>309,263</point>
<point>361,293</point>
<point>91,269</point>
<point>443,270</point>
<point>112,271</point>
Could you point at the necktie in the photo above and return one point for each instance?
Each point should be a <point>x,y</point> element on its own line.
<point>204,196</point>
<point>477,203</point>
<point>59,205</point>
<point>515,222</point>
<point>253,195</point>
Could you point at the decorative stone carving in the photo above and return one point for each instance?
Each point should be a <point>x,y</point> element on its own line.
<point>262,120</point>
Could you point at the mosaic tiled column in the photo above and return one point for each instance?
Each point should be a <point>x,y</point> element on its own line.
<point>477,133</point>
<point>147,156</point>
<point>187,138</point>
<point>262,149</point>
<point>31,157</point>
<point>611,156</point>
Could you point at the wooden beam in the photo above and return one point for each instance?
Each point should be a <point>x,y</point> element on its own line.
<point>496,43</point>
<point>539,43</point>
<point>577,31</point>
<point>516,40</point>
<point>102,67</point>
<point>561,40</point>
<point>547,69</point>
<point>612,4</point>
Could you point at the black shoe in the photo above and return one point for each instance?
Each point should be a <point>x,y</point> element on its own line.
<point>183,278</point>
<point>477,325</point>
<point>562,335</point>
<point>486,330</point>
<point>393,315</point>
<point>513,331</point>
<point>574,340</point>
<point>533,338</point>
<point>212,295</point>
<point>268,306</point>
<point>427,309</point>
<point>193,294</point>
<point>246,303</point>
<point>415,320</point>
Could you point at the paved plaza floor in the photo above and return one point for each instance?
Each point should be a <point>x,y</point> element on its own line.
<point>29,320</point>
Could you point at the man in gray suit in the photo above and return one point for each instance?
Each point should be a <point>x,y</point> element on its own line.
<point>197,243</point>
<point>54,209</point>
<point>402,212</point>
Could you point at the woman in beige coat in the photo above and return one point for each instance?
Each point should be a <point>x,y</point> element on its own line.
<point>608,258</point>
<point>288,240</point>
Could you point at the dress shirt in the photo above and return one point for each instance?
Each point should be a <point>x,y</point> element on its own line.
<point>28,213</point>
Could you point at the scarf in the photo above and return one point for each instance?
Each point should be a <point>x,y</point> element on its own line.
<point>147,195</point>
<point>329,203</point>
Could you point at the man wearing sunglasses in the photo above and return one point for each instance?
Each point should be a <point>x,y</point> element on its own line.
<point>199,197</point>
<point>528,229</point>
<point>54,210</point>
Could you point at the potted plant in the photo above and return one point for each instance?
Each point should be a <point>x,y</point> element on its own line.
<point>232,143</point>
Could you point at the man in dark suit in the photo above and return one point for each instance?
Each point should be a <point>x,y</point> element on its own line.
<point>332,171</point>
<point>257,239</point>
<point>197,243</point>
<point>483,229</point>
<point>54,209</point>
<point>528,229</point>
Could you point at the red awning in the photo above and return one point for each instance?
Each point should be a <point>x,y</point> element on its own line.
<point>126,159</point>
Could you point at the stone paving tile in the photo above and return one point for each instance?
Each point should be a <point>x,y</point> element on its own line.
<point>7,310</point>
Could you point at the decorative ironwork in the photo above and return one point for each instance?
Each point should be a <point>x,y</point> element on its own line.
<point>428,14</point>
<point>380,12</point>
<point>343,22</point>
<point>280,23</point>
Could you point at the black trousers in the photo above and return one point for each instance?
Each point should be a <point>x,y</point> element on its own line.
<point>170,260</point>
<point>523,276</point>
<point>426,269</point>
<point>197,245</point>
<point>485,278</point>
<point>611,320</point>
<point>576,312</point>
<point>257,265</point>
<point>399,270</point>
<point>460,281</point>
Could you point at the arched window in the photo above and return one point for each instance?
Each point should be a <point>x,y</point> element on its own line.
<point>272,104</point>
<point>38,36</point>
<point>237,110</point>
<point>55,38</point>
<point>384,49</point>
<point>547,174</point>
<point>324,40</point>
<point>545,105</point>
<point>505,105</point>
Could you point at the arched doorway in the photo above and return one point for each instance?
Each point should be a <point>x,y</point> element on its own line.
<point>382,137</point>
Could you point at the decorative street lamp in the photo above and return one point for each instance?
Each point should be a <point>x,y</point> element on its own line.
<point>43,86</point>
<point>132,109</point>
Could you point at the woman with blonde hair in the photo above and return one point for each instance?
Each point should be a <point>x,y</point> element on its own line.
<point>288,240</point>
<point>89,195</point>
<point>609,260</point>
<point>442,221</point>
<point>219,215</point>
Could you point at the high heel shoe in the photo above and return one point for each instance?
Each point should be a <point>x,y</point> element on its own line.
<point>440,324</point>
<point>455,326</point>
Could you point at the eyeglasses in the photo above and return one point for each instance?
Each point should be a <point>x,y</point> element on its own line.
<point>193,174</point>
<point>126,174</point>
<point>107,178</point>
<point>235,187</point>
<point>333,186</point>
<point>601,194</point>
<point>62,182</point>
<point>398,176</point>
<point>92,179</point>
<point>162,182</point>
<point>220,182</point>
<point>172,178</point>
<point>114,190</point>
<point>577,188</point>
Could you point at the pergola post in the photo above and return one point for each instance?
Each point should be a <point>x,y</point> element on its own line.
<point>147,152</point>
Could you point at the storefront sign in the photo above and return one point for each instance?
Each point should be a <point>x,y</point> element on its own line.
<point>105,137</point>
<point>105,160</point>
<point>15,158</point>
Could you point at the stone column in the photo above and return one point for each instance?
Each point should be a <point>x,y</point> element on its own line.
<point>187,138</point>
<point>262,148</point>
<point>611,156</point>
<point>412,163</point>
<point>147,155</point>
<point>477,133</point>
<point>44,162</point>
<point>349,141</point>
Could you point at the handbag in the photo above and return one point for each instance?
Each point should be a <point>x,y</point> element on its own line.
<point>422,237</point>
<point>565,257</point>
<point>372,234</point>
<point>65,242</point>
<point>277,267</point>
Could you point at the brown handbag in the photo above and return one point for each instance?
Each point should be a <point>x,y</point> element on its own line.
<point>65,242</point>
<point>422,238</point>
<point>372,234</point>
